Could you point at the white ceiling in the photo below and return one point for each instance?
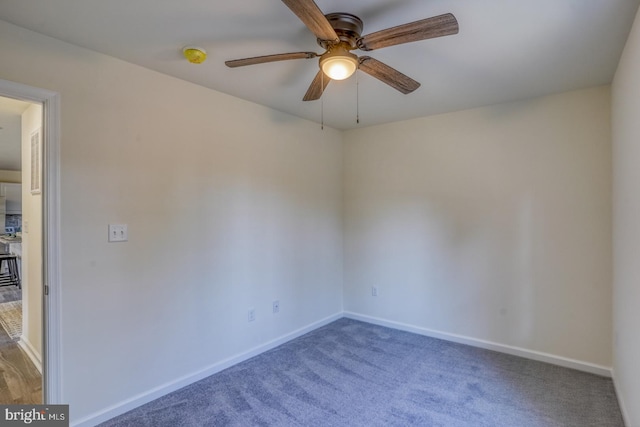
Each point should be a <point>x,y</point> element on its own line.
<point>506,49</point>
<point>10,133</point>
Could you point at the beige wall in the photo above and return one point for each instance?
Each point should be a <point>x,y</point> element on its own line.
<point>626,230</point>
<point>492,224</point>
<point>31,241</point>
<point>229,205</point>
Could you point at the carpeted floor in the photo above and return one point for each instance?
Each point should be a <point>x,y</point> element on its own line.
<point>351,373</point>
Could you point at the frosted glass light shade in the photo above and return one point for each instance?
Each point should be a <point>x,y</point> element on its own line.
<point>339,64</point>
<point>339,68</point>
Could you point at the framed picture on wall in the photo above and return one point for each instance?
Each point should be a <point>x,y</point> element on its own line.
<point>36,162</point>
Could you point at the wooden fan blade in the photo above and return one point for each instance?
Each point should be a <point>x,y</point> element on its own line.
<point>311,15</point>
<point>318,85</point>
<point>388,75</point>
<point>437,26</point>
<point>269,58</point>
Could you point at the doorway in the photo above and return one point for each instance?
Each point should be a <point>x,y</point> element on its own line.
<point>20,252</point>
<point>42,285</point>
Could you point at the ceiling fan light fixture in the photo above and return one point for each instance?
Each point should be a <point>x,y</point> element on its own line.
<point>195,55</point>
<point>338,63</point>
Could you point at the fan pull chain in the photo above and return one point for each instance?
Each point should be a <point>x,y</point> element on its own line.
<point>322,104</point>
<point>357,99</point>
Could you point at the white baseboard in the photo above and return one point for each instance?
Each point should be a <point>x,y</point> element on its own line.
<point>33,354</point>
<point>623,408</point>
<point>161,390</point>
<point>503,348</point>
<point>157,392</point>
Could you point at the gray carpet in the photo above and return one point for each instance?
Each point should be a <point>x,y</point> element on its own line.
<point>351,373</point>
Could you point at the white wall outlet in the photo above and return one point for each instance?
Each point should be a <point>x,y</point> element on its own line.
<point>118,233</point>
<point>252,314</point>
<point>276,306</point>
<point>374,291</point>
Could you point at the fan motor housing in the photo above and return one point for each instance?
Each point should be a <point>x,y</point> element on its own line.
<point>348,27</point>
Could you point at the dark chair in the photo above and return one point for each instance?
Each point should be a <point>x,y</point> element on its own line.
<point>12,276</point>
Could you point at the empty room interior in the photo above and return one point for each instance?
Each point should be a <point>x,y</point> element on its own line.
<point>471,189</point>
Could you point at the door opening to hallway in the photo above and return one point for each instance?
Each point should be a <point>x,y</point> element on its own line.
<point>21,284</point>
<point>30,348</point>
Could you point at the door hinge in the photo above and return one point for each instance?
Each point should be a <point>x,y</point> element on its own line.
<point>46,289</point>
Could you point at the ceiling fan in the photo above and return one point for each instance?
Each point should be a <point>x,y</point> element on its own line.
<point>339,34</point>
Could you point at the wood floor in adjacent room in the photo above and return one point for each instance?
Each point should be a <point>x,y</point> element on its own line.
<point>20,381</point>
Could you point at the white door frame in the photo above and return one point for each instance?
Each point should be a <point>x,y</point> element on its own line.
<point>51,304</point>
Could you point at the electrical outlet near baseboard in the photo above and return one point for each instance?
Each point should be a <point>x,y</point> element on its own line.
<point>276,307</point>
<point>252,314</point>
<point>374,291</point>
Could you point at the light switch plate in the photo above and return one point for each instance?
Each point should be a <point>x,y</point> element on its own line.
<point>118,233</point>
